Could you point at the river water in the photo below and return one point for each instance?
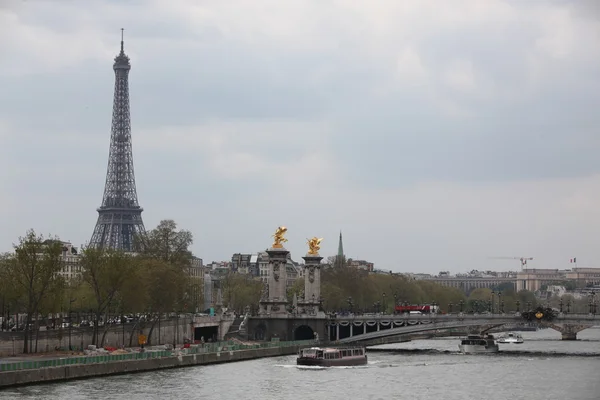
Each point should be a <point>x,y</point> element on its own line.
<point>544,367</point>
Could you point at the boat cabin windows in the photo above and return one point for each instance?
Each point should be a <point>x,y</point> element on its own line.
<point>352,352</point>
<point>474,342</point>
<point>308,353</point>
<point>332,355</point>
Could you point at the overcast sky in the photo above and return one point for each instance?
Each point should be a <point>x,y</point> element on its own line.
<point>434,134</point>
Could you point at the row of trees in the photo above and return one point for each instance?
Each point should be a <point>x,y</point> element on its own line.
<point>345,288</point>
<point>153,281</point>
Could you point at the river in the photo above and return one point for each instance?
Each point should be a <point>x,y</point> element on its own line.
<point>542,368</point>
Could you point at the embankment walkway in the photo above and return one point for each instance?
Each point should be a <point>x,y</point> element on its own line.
<point>78,367</point>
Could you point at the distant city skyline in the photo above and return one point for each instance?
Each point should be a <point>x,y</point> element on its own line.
<point>433,139</point>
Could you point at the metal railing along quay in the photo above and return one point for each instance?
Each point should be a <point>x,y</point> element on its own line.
<point>149,354</point>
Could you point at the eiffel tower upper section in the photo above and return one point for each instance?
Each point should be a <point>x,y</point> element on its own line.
<point>120,215</point>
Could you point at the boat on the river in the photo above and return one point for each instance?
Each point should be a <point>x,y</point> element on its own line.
<point>332,356</point>
<point>478,344</point>
<point>511,337</point>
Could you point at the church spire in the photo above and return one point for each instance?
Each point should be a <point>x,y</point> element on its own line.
<point>340,247</point>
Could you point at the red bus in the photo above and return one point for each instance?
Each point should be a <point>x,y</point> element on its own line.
<point>415,308</point>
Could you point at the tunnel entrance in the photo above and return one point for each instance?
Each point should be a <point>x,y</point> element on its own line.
<point>304,332</point>
<point>209,333</point>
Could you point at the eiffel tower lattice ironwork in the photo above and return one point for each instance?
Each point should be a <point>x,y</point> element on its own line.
<point>120,215</point>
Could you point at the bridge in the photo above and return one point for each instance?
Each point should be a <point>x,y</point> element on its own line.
<point>304,318</point>
<point>380,329</point>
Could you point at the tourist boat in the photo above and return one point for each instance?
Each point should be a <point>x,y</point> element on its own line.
<point>332,357</point>
<point>511,337</point>
<point>478,344</point>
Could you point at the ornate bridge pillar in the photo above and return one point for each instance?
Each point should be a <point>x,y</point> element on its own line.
<point>312,281</point>
<point>274,299</point>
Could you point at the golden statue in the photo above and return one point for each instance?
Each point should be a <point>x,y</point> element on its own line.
<point>279,237</point>
<point>314,245</point>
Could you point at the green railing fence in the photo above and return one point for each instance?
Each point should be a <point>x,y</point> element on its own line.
<point>207,348</point>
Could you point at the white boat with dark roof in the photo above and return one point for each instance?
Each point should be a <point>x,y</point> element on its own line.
<point>478,344</point>
<point>332,356</point>
<point>511,337</point>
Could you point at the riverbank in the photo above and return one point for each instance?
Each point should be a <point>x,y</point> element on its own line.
<point>69,368</point>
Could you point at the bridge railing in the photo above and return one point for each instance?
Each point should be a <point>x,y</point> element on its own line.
<point>105,358</point>
<point>453,316</point>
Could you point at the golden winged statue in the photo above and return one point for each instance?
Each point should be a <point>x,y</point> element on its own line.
<point>314,245</point>
<point>279,237</point>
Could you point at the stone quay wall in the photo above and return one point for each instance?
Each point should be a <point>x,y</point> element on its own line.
<point>154,361</point>
<point>170,332</point>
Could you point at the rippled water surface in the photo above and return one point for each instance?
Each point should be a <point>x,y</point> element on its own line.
<point>544,367</point>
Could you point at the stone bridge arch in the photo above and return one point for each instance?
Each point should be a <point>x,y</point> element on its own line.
<point>304,332</point>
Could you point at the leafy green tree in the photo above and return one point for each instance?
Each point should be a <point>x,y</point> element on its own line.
<point>297,288</point>
<point>526,298</point>
<point>240,291</point>
<point>106,272</point>
<point>167,244</point>
<point>33,271</point>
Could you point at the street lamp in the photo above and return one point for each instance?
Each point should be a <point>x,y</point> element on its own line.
<point>502,306</point>
<point>569,306</point>
<point>493,293</point>
<point>489,306</point>
<point>499,298</point>
<point>71,300</point>
<point>383,302</point>
<point>461,304</point>
<point>349,303</point>
<point>560,305</point>
<point>518,303</point>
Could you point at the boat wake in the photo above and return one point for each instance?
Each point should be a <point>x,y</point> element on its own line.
<point>412,351</point>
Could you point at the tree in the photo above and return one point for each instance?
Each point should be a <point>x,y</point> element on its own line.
<point>162,286</point>
<point>167,244</point>
<point>297,288</point>
<point>33,270</point>
<point>106,272</point>
<point>337,261</point>
<point>527,299</point>
<point>240,291</point>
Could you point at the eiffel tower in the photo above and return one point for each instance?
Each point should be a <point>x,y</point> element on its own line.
<point>120,215</point>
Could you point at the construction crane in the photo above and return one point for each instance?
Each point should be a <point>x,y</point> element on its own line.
<point>522,259</point>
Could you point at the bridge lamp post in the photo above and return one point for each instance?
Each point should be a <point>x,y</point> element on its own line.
<point>461,304</point>
<point>499,299</point>
<point>518,303</point>
<point>490,306</point>
<point>502,306</point>
<point>560,305</point>
<point>383,302</point>
<point>493,308</point>
<point>569,306</point>
<point>350,303</point>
